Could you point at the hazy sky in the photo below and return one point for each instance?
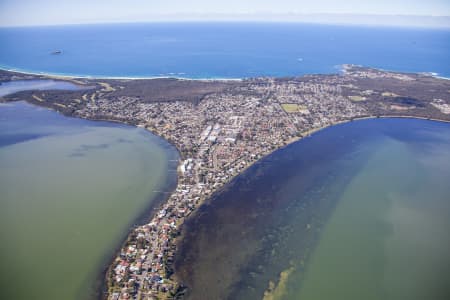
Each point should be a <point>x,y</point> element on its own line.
<point>44,12</point>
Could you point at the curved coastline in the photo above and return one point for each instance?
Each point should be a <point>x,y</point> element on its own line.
<point>149,213</point>
<point>209,220</point>
<point>155,201</point>
<point>62,76</point>
<point>92,288</point>
<point>76,76</point>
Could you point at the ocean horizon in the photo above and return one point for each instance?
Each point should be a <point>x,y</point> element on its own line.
<point>192,50</point>
<point>338,214</point>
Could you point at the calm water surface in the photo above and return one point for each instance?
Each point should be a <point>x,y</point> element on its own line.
<point>12,87</point>
<point>221,50</point>
<point>357,211</point>
<point>69,192</point>
<point>360,210</point>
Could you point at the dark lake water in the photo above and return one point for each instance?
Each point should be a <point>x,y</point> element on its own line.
<point>357,211</point>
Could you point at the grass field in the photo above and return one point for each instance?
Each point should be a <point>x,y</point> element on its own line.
<point>357,98</point>
<point>293,107</point>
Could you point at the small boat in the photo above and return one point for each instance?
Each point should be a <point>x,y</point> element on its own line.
<point>56,52</point>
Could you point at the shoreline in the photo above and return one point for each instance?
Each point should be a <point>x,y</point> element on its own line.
<point>343,68</point>
<point>100,77</point>
<point>156,199</point>
<point>177,240</point>
<point>147,214</point>
<point>162,234</point>
<point>339,69</point>
<point>101,284</point>
<point>306,134</point>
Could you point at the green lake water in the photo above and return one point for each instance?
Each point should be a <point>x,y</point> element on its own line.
<point>70,189</point>
<point>356,211</point>
<point>389,235</point>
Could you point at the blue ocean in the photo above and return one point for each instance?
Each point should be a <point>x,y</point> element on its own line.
<point>220,50</point>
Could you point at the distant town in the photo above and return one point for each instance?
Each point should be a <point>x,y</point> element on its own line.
<point>221,127</point>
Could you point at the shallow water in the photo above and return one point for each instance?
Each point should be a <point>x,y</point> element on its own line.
<point>70,190</point>
<point>12,87</point>
<point>357,211</point>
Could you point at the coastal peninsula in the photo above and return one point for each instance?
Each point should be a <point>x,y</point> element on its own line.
<point>221,128</point>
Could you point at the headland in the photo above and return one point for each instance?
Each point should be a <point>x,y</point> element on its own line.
<point>221,128</point>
